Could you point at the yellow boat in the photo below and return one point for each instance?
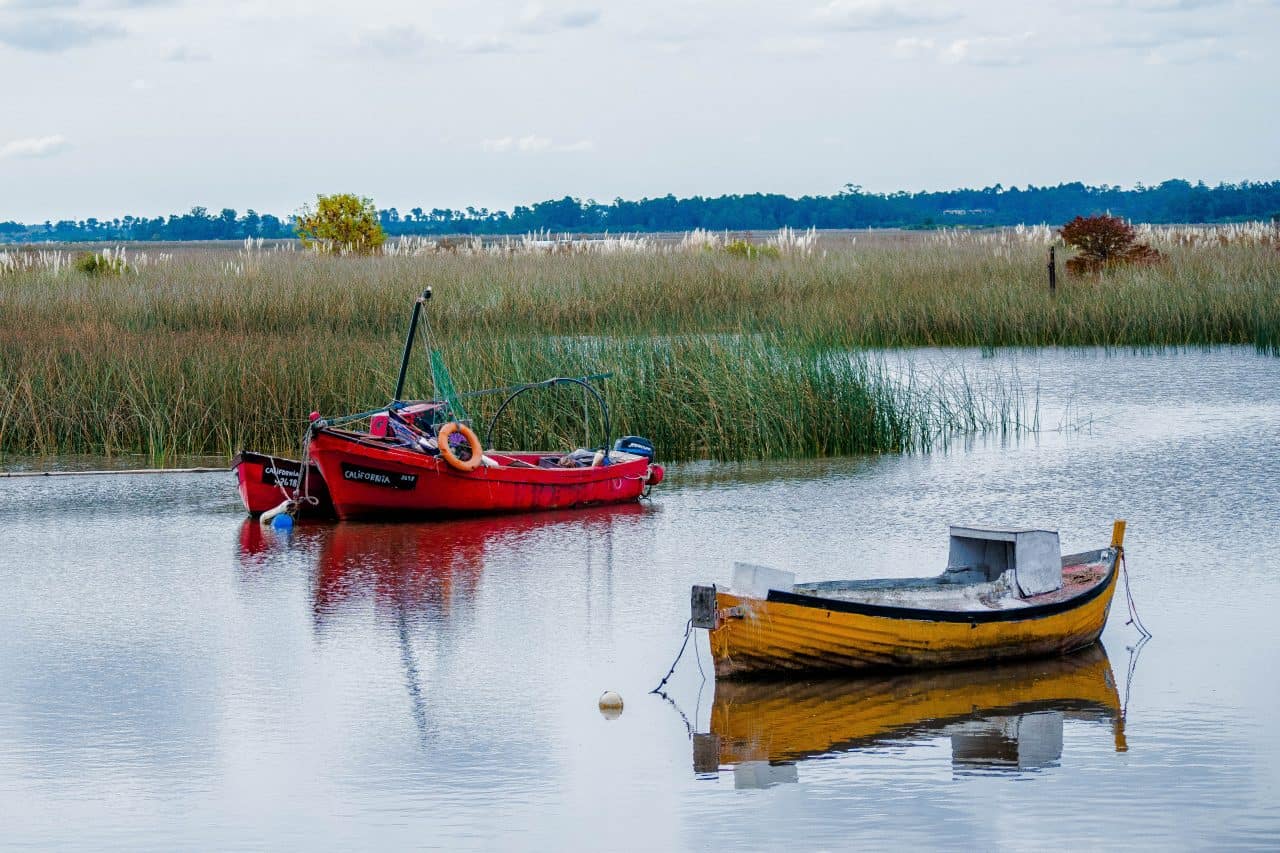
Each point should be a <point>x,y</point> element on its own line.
<point>1006,593</point>
<point>1006,717</point>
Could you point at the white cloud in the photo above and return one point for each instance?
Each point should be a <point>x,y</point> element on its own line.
<point>1131,40</point>
<point>858,15</point>
<point>1175,5</point>
<point>54,33</point>
<point>533,144</point>
<point>988,50</point>
<point>393,42</point>
<point>980,50</point>
<point>671,31</point>
<point>407,42</point>
<point>46,5</point>
<point>485,44</point>
<point>537,18</point>
<point>1195,52</point>
<point>35,146</point>
<point>1176,46</point>
<point>914,48</point>
<point>39,5</point>
<point>792,46</point>
<point>182,53</point>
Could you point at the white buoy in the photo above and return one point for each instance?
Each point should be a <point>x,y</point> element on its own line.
<point>266,518</point>
<point>610,705</point>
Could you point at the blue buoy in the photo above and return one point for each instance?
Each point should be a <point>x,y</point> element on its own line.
<point>283,521</point>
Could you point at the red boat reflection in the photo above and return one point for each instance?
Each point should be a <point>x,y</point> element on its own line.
<point>428,567</point>
<point>417,575</point>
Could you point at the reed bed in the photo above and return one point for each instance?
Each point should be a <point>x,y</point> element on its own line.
<point>205,351</point>
<point>721,397</point>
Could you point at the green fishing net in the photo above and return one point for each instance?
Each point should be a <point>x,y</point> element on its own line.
<point>444,387</point>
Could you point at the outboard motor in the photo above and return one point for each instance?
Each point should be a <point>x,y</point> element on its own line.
<point>641,446</point>
<point>636,445</point>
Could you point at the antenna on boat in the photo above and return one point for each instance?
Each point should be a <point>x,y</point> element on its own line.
<point>408,342</point>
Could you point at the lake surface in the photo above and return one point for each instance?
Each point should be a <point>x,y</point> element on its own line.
<point>174,676</point>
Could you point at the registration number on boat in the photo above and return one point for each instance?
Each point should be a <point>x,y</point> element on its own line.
<point>274,475</point>
<point>379,477</point>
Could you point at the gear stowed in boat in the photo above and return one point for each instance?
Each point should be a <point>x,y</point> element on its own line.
<point>1007,593</point>
<point>416,458</point>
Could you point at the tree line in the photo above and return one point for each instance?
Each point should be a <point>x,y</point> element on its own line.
<point>852,207</point>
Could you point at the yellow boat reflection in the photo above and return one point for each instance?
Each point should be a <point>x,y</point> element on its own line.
<point>1000,717</point>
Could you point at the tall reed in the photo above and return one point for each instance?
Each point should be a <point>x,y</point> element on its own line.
<point>206,351</point>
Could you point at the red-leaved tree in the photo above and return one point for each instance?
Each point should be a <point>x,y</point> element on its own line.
<point>1103,242</point>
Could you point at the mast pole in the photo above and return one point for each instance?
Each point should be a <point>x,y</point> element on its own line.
<point>408,342</point>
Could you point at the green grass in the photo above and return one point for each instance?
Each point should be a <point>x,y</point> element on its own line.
<point>715,355</point>
<point>189,393</point>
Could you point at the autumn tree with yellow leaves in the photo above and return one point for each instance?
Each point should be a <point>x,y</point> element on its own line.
<point>341,224</point>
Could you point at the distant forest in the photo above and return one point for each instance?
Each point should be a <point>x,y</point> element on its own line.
<point>1171,201</point>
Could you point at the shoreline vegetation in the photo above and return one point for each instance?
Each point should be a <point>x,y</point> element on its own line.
<point>1170,201</point>
<point>717,351</point>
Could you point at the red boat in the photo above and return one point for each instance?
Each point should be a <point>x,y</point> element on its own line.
<point>267,481</point>
<point>421,458</point>
<point>368,477</point>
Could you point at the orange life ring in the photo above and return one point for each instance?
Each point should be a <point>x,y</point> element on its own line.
<point>442,443</point>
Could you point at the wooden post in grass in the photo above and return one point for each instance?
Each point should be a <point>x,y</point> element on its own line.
<point>1053,273</point>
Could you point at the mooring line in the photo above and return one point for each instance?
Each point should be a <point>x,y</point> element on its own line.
<point>688,726</point>
<point>1134,619</point>
<point>688,630</point>
<point>1134,652</point>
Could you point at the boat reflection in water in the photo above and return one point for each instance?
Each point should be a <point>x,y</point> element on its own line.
<point>422,578</point>
<point>425,569</point>
<point>999,719</point>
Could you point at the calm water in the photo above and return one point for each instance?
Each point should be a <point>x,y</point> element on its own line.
<point>172,676</point>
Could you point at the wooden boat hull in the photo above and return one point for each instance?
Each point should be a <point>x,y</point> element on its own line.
<point>264,482</point>
<point>790,632</point>
<point>368,480</point>
<point>788,720</point>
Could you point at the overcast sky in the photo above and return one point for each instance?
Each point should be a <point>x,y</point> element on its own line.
<point>152,106</point>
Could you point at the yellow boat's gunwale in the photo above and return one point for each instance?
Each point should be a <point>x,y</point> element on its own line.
<point>1038,611</point>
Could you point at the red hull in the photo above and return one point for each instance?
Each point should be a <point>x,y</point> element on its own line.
<point>267,481</point>
<point>367,479</point>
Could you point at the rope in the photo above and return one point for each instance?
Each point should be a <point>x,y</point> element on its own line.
<point>688,629</point>
<point>1134,652</point>
<point>1134,619</point>
<point>280,487</point>
<point>304,481</point>
<point>346,419</point>
<point>697,655</point>
<point>688,726</point>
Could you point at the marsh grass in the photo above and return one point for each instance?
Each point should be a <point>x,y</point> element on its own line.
<point>720,397</point>
<point>206,351</point>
